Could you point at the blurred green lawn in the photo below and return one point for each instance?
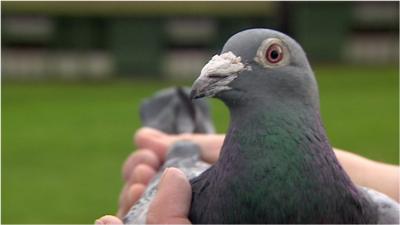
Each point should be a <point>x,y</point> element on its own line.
<point>63,144</point>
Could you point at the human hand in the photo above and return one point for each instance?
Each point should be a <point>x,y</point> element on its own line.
<point>142,165</point>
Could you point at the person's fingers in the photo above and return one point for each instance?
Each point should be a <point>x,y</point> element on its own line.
<point>142,173</point>
<point>159,142</point>
<point>129,197</point>
<point>210,144</point>
<point>108,220</point>
<point>172,202</point>
<point>141,156</point>
<point>154,140</point>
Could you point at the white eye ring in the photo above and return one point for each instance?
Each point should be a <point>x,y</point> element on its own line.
<point>261,56</point>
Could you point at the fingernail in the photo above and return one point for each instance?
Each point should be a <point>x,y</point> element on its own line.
<point>130,192</point>
<point>173,174</point>
<point>98,222</point>
<point>163,175</point>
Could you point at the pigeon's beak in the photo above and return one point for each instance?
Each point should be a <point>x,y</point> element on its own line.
<point>199,88</point>
<point>216,75</point>
<point>209,85</point>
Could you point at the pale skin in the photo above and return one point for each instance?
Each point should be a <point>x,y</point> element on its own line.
<point>172,201</point>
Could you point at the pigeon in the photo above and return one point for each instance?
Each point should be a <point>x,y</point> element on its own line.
<point>172,111</point>
<point>276,164</point>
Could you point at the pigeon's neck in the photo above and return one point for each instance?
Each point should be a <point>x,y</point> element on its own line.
<point>279,132</point>
<point>283,120</point>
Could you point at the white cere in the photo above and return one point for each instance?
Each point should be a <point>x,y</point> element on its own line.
<point>223,65</point>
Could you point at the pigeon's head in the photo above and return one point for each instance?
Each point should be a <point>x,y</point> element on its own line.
<point>258,64</point>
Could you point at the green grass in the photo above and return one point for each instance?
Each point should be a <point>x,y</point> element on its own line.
<point>63,144</point>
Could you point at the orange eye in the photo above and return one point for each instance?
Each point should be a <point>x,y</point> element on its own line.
<point>274,53</point>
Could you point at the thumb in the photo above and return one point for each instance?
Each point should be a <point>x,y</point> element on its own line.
<point>172,202</point>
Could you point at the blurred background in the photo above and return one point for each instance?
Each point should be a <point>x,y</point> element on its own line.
<point>74,74</point>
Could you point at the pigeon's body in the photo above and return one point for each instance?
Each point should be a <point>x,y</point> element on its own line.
<point>276,164</point>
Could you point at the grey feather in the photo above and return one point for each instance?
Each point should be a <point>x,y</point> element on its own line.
<point>388,209</point>
<point>172,111</point>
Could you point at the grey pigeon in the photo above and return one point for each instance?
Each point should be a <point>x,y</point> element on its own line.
<point>172,111</point>
<point>276,164</point>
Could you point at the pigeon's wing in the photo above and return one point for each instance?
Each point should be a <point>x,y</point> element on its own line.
<point>388,210</point>
<point>183,155</point>
<point>173,112</point>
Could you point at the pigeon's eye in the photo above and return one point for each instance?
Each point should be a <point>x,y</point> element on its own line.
<point>274,53</point>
